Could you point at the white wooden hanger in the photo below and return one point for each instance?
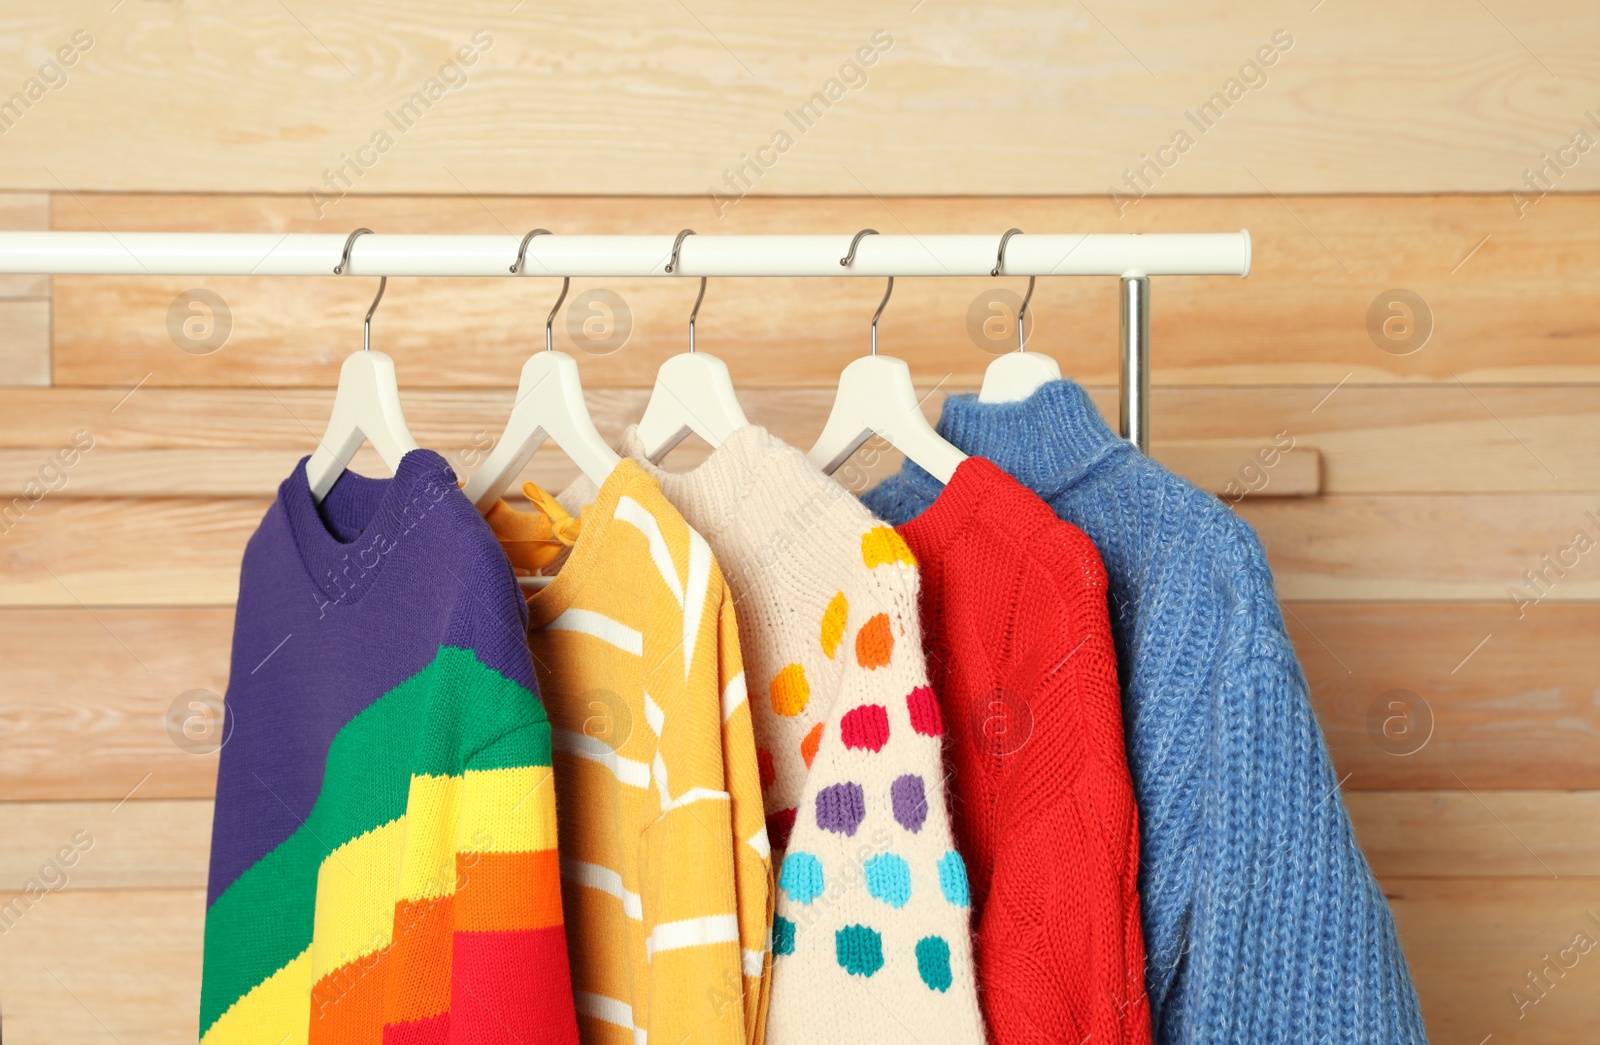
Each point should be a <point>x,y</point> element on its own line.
<point>549,405</point>
<point>1015,376</point>
<point>693,392</point>
<point>366,405</point>
<point>877,397</point>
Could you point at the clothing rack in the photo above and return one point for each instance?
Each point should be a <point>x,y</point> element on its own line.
<point>1132,257</point>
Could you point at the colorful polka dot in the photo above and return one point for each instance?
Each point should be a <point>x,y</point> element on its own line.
<point>779,826</point>
<point>859,950</point>
<point>881,545</point>
<point>790,691</point>
<point>933,962</point>
<point>808,746</point>
<point>924,709</point>
<point>783,936</point>
<point>866,726</point>
<point>889,879</point>
<point>801,877</point>
<point>953,879</point>
<point>910,802</point>
<point>874,642</point>
<point>764,765</point>
<point>833,621</point>
<point>841,808</point>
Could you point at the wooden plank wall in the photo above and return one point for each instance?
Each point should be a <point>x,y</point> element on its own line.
<point>1423,489</point>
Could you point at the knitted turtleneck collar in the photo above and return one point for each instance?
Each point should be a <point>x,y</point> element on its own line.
<point>1048,441</point>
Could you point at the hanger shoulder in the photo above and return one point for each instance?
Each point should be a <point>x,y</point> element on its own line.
<point>877,396</point>
<point>549,404</point>
<point>1015,376</point>
<point>366,407</point>
<point>693,393</point>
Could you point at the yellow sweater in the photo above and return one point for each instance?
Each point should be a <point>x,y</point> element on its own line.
<point>666,871</point>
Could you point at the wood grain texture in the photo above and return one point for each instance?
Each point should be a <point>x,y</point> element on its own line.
<point>1520,710</point>
<point>87,696</point>
<point>1022,97</point>
<point>81,963</point>
<point>186,551</point>
<point>1498,290</point>
<point>163,843</point>
<point>25,341</point>
<point>1370,439</point>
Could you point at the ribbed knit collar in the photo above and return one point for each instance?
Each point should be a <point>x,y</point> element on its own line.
<point>717,485</point>
<point>1047,442</point>
<point>344,542</point>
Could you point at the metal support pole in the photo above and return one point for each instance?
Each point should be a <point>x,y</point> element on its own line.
<point>1134,417</point>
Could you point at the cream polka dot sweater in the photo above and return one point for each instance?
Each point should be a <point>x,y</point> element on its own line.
<point>870,940</point>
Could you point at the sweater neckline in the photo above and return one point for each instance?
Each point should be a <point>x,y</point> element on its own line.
<point>555,598</point>
<point>717,485</point>
<point>344,542</point>
<point>1047,442</point>
<point>955,502</point>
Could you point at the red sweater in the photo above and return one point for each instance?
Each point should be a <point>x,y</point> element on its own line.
<point>1020,653</point>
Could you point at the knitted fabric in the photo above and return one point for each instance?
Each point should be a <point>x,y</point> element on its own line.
<point>1019,648</point>
<point>665,864</point>
<point>871,938</point>
<point>383,858</point>
<point>1262,921</point>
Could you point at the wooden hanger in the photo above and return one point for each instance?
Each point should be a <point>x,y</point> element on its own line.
<point>1015,376</point>
<point>877,397</point>
<point>549,404</point>
<point>693,392</point>
<point>366,405</point>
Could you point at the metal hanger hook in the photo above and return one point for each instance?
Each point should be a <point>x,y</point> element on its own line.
<point>1022,312</point>
<point>383,283</point>
<point>887,291</point>
<point>677,245</point>
<point>845,261</point>
<point>695,312</point>
<point>522,251</point>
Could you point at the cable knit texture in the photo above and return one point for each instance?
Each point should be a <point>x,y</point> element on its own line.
<point>871,941</point>
<point>1019,648</point>
<point>1262,921</point>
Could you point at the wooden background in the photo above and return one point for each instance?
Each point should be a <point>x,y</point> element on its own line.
<point>1380,153</point>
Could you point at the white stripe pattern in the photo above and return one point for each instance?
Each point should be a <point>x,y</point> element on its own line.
<point>633,513</point>
<point>754,962</point>
<point>629,771</point>
<point>658,769</point>
<point>653,714</point>
<point>598,625</point>
<point>699,794</point>
<point>733,694</point>
<point>692,932</point>
<point>609,1010</point>
<point>593,876</point>
<point>694,597</point>
<point>760,843</point>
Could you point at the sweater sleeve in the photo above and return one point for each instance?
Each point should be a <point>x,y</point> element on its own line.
<point>510,981</point>
<point>753,879</point>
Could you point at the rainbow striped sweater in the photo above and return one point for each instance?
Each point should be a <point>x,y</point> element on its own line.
<point>383,857</point>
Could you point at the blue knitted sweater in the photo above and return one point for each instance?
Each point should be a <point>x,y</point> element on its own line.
<point>1262,921</point>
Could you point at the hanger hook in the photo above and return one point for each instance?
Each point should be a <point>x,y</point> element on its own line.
<point>522,251</point>
<point>696,311</point>
<point>383,283</point>
<point>887,291</point>
<point>677,245</point>
<point>566,282</point>
<point>1022,312</point>
<point>851,256</point>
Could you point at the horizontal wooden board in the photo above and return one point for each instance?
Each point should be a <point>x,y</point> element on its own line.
<point>1497,292</point>
<point>186,551</point>
<point>1032,97</point>
<point>163,843</point>
<point>1440,438</point>
<point>82,963</point>
<point>88,695</point>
